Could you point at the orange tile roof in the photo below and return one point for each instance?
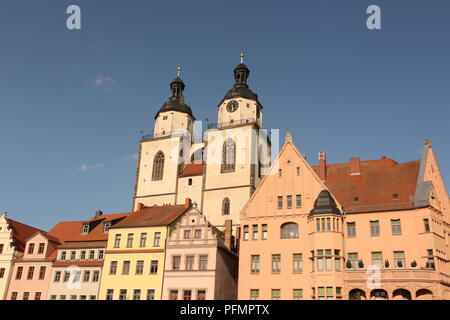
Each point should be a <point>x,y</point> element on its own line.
<point>21,232</point>
<point>193,169</point>
<point>375,186</point>
<point>153,216</point>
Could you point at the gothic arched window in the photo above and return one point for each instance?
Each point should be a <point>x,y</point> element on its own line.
<point>289,230</point>
<point>158,166</point>
<point>228,156</point>
<point>225,207</point>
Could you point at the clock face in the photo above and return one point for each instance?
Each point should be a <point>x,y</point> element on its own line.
<point>232,106</point>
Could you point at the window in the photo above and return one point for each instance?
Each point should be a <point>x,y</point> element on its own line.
<point>66,276</point>
<point>30,273</point>
<point>106,227</point>
<point>197,234</point>
<point>158,166</point>
<point>328,260</point>
<point>173,295</point>
<point>92,297</point>
<point>246,230</point>
<point>317,224</point>
<point>254,294</point>
<point>2,272</point>
<point>203,262</point>
<point>276,293</point>
<point>123,294</point>
<point>109,294</point>
<point>42,273</point>
<point>143,241</point>
<point>53,297</point>
<point>297,263</point>
<point>72,255</point>
<point>329,293</point>
<point>63,255</point>
<point>113,267</point>
<point>255,232</point>
<point>298,171</point>
<point>338,293</point>
<point>298,201</point>
<point>83,255</point>
<point>136,294</point>
<point>298,294</point>
<point>189,262</point>
<point>37,295</point>
<point>31,248</point>
<point>374,228</point>
<point>322,221</point>
<point>430,259</point>
<point>154,267</point>
<point>77,277</point>
<point>228,156</point>
<point>126,267</point>
<point>1,248</point>
<point>140,267</point>
<point>201,294</point>
<point>328,224</point>
<point>190,181</point>
<point>319,260</point>
<point>321,293</point>
<point>187,234</point>
<point>73,297</point>
<point>96,276</point>
<point>353,258</point>
<point>396,227</point>
<point>176,261</point>
<point>100,255</point>
<point>41,248</point>
<point>130,240</point>
<point>85,228</point>
<point>289,202</point>
<point>150,294</point>
<point>395,196</point>
<point>351,229</point>
<point>62,297</point>
<point>19,273</point>
<point>289,230</point>
<point>399,259</point>
<point>276,263</point>
<point>426,224</point>
<point>187,295</point>
<point>280,202</point>
<point>255,264</point>
<point>377,259</point>
<point>225,207</point>
<point>14,295</point>
<point>157,239</point>
<point>264,232</point>
<point>280,173</point>
<point>26,295</point>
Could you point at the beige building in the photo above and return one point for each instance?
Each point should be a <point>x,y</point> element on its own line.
<point>201,261</point>
<point>220,169</point>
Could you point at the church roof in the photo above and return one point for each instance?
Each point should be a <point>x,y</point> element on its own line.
<point>379,185</point>
<point>193,169</point>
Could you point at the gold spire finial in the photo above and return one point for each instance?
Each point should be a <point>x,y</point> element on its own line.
<point>178,71</point>
<point>242,58</point>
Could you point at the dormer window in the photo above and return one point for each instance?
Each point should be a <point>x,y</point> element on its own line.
<point>85,228</point>
<point>106,227</point>
<point>395,196</point>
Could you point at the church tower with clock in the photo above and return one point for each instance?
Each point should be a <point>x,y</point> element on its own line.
<point>220,172</point>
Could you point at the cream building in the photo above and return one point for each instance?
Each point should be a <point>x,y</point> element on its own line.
<point>220,170</point>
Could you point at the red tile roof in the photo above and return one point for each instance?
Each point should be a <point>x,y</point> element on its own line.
<point>375,186</point>
<point>21,232</point>
<point>193,169</point>
<point>153,216</point>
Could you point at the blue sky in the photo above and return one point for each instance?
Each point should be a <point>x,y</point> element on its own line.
<point>73,103</point>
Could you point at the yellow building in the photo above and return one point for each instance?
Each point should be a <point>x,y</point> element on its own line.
<point>135,254</point>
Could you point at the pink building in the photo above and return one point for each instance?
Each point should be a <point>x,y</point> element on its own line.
<point>360,230</point>
<point>30,276</point>
<point>201,263</point>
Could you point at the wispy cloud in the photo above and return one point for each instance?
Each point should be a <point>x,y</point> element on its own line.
<point>105,82</point>
<point>85,167</point>
<point>133,156</point>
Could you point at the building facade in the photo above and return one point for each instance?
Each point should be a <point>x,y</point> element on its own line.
<point>172,161</point>
<point>135,254</point>
<point>201,261</point>
<point>360,230</point>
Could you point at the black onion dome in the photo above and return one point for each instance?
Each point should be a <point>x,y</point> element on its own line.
<point>176,101</point>
<point>325,204</point>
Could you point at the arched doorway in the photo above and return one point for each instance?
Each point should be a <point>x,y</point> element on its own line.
<point>401,294</point>
<point>378,294</point>
<point>357,294</point>
<point>424,294</point>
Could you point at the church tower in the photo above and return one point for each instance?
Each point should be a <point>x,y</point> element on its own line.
<point>161,155</point>
<point>233,152</point>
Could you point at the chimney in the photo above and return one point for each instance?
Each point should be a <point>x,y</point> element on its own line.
<point>140,206</point>
<point>355,166</point>
<point>187,203</point>
<point>322,166</point>
<point>98,213</point>
<point>288,137</point>
<point>228,233</point>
